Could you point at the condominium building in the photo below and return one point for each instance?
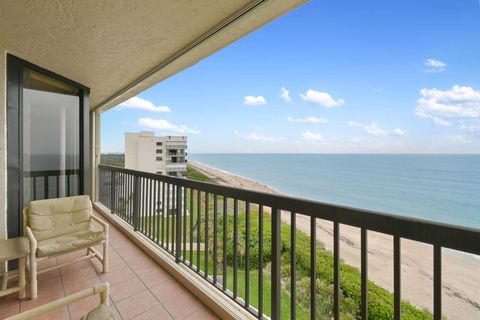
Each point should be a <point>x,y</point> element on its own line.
<point>163,155</point>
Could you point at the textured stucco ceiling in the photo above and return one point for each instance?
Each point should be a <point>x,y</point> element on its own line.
<point>107,45</point>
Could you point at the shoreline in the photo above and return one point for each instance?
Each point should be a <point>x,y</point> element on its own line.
<point>460,275</point>
<point>231,179</point>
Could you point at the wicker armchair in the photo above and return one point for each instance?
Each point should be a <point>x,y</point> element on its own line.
<point>59,226</point>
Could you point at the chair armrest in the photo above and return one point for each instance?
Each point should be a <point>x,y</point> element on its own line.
<point>102,223</point>
<point>31,240</point>
<point>102,289</point>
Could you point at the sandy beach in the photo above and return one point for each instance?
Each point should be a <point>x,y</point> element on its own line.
<point>460,273</point>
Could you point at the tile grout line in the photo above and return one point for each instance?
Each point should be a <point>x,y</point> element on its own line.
<point>63,289</point>
<point>113,302</point>
<point>188,315</point>
<point>148,288</point>
<point>138,277</point>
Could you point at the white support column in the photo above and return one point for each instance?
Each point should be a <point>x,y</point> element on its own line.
<point>95,152</point>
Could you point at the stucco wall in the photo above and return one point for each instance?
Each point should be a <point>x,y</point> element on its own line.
<point>3,145</point>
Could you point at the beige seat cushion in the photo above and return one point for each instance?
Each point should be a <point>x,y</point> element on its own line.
<point>53,218</point>
<point>69,242</point>
<point>102,312</point>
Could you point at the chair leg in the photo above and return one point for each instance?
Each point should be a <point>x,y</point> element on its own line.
<point>21,277</point>
<point>105,257</point>
<point>3,275</point>
<point>33,276</point>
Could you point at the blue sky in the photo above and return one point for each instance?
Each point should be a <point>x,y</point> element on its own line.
<point>361,76</point>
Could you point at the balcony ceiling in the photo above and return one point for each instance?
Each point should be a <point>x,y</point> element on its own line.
<point>120,48</point>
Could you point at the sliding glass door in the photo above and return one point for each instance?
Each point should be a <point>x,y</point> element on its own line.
<point>51,137</point>
<point>47,128</point>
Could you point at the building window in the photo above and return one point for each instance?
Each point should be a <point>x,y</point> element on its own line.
<point>159,158</point>
<point>159,151</point>
<point>159,143</point>
<point>159,172</point>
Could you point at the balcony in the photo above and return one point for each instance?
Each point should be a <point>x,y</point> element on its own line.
<point>175,153</point>
<point>182,147</point>
<point>247,245</point>
<point>176,167</point>
<point>170,238</point>
<point>140,287</point>
<point>178,161</point>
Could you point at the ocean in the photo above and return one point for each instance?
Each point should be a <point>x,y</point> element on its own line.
<point>442,188</point>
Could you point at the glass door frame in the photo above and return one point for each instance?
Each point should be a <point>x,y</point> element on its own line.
<point>15,67</point>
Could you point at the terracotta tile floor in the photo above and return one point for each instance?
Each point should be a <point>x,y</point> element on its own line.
<point>140,288</point>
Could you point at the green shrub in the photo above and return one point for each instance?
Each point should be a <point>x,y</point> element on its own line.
<point>253,241</point>
<point>380,300</point>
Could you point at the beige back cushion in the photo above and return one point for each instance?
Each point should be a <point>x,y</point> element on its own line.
<point>52,218</point>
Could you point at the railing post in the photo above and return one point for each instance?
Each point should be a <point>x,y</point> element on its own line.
<point>136,203</point>
<point>45,187</point>
<point>364,273</point>
<point>437,282</point>
<point>178,233</point>
<point>112,191</point>
<point>276,285</point>
<point>397,270</point>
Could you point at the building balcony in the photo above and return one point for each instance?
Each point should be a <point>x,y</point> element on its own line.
<point>173,157</point>
<point>175,154</point>
<point>176,167</point>
<point>182,249</point>
<point>177,147</point>
<point>178,161</point>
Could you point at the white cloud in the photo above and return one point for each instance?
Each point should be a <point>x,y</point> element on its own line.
<point>254,101</point>
<point>354,124</point>
<point>321,98</point>
<point>374,129</point>
<point>314,137</point>
<point>460,103</point>
<point>378,89</point>
<point>435,65</point>
<point>440,122</point>
<point>142,104</point>
<point>470,125</point>
<point>285,94</point>
<point>254,136</point>
<point>458,139</point>
<point>357,139</point>
<point>310,119</point>
<point>164,125</point>
<point>236,132</point>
